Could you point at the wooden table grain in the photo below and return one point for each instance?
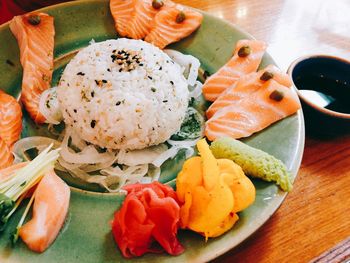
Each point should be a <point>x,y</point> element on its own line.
<point>315,216</point>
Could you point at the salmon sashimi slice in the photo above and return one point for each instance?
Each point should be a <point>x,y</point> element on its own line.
<point>122,11</point>
<point>257,111</point>
<point>141,24</point>
<point>6,157</point>
<point>10,119</point>
<point>246,85</point>
<point>51,202</point>
<point>246,59</point>
<point>35,36</point>
<point>173,24</point>
<point>133,18</point>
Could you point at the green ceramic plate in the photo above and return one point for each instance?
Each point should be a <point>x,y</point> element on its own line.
<point>86,236</point>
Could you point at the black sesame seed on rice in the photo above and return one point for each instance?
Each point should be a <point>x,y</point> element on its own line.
<point>93,123</point>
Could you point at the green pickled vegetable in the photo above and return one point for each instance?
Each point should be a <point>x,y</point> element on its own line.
<point>254,162</point>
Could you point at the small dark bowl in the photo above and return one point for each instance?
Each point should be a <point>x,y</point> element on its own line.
<point>318,119</point>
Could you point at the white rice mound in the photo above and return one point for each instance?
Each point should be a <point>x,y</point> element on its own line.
<point>117,108</point>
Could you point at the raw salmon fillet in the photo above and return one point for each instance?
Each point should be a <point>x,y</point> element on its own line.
<point>122,11</point>
<point>236,67</point>
<point>252,113</point>
<point>245,86</point>
<point>51,202</point>
<point>133,18</point>
<point>6,157</point>
<point>166,30</point>
<point>36,44</point>
<point>10,119</point>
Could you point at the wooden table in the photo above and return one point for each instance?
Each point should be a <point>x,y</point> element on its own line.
<point>316,215</point>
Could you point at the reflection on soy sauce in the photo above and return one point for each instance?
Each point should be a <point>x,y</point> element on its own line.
<point>332,94</point>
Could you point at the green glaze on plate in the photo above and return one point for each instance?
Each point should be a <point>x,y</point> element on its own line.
<point>86,236</point>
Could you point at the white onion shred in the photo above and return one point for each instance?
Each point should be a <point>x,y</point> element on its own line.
<point>187,145</point>
<point>87,155</point>
<point>168,154</point>
<point>22,146</point>
<point>144,156</point>
<point>49,106</point>
<point>89,165</point>
<point>189,63</point>
<point>184,144</point>
<point>196,90</point>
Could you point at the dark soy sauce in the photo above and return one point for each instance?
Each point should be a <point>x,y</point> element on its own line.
<point>332,94</point>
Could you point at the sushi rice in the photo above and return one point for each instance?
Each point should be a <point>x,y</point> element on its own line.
<point>123,108</point>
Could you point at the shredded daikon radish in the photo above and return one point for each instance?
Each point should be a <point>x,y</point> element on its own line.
<point>76,140</point>
<point>197,90</point>
<point>67,165</point>
<point>144,156</point>
<point>184,144</point>
<point>187,145</point>
<point>91,166</point>
<point>88,155</point>
<point>189,63</point>
<point>49,106</point>
<point>129,175</point>
<point>22,146</point>
<point>168,154</point>
<point>105,175</point>
<point>98,166</point>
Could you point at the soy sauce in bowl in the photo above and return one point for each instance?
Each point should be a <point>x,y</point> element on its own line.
<point>326,92</point>
<point>323,85</point>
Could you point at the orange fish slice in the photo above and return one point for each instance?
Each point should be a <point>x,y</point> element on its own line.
<point>10,119</point>
<point>246,85</point>
<point>51,202</point>
<point>6,157</point>
<point>255,112</point>
<point>35,36</point>
<point>173,24</point>
<point>122,11</point>
<point>133,18</point>
<point>246,59</point>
